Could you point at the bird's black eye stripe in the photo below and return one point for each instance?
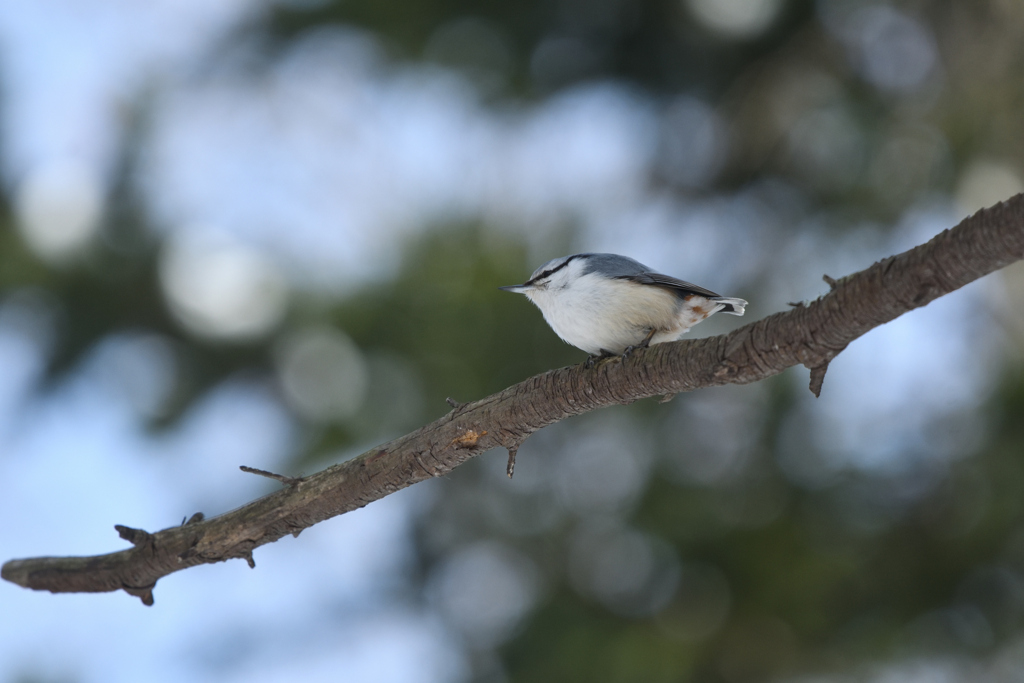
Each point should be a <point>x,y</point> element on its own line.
<point>554,270</point>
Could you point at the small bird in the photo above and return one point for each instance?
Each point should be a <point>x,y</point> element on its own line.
<point>607,305</point>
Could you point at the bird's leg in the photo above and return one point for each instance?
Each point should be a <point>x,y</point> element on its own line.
<point>647,340</point>
<point>591,358</point>
<point>642,345</point>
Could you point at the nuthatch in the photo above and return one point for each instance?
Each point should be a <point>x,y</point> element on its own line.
<point>607,304</point>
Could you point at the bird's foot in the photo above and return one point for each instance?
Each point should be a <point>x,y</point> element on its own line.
<point>642,345</point>
<point>592,358</point>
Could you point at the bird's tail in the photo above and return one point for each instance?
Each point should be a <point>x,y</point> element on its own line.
<point>731,305</point>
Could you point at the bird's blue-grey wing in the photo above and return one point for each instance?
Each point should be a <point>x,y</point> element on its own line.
<point>625,268</point>
<point>613,265</point>
<point>680,287</point>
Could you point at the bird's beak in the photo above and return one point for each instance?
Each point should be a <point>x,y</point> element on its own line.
<point>517,289</point>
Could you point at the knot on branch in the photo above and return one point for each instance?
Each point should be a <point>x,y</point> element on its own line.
<point>191,552</point>
<point>194,519</point>
<point>145,593</point>
<point>468,439</point>
<point>818,368</point>
<point>137,537</point>
<point>726,369</point>
<point>818,378</point>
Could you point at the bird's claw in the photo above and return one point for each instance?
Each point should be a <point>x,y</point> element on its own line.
<point>642,345</point>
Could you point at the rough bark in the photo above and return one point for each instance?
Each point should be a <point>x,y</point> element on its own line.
<point>809,334</point>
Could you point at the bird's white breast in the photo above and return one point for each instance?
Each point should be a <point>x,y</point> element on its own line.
<point>596,313</point>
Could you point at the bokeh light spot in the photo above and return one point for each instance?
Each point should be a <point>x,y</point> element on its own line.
<point>736,18</point>
<point>220,288</point>
<point>59,205</point>
<point>322,373</point>
<point>629,572</point>
<point>986,182</point>
<point>485,590</point>
<point>896,51</point>
<point>602,470</point>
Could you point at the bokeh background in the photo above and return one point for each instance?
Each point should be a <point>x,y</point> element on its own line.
<point>270,233</point>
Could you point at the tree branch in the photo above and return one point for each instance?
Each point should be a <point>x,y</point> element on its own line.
<point>810,335</point>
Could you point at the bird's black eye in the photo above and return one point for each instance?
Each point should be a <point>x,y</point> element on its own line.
<point>535,280</point>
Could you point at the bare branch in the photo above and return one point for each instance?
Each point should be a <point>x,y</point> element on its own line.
<point>287,481</point>
<point>510,468</point>
<point>810,335</point>
<point>818,378</point>
<point>456,405</point>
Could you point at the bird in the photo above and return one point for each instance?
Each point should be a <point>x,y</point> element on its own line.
<point>611,305</point>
